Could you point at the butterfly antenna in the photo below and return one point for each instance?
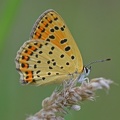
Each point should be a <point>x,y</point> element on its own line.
<point>97,61</point>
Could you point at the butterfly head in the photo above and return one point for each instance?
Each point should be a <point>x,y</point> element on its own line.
<point>87,69</point>
<point>84,74</point>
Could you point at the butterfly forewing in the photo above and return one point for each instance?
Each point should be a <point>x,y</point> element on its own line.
<point>51,27</point>
<point>51,55</point>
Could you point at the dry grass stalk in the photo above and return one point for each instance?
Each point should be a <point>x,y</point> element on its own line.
<point>56,106</point>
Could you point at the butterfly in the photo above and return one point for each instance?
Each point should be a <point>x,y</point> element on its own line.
<point>51,54</point>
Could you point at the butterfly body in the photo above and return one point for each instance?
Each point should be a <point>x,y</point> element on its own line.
<point>51,55</point>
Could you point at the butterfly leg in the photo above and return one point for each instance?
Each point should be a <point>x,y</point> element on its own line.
<point>86,79</point>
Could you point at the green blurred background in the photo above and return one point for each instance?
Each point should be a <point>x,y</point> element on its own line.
<point>95,25</point>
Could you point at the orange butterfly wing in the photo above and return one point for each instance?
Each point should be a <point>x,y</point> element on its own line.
<point>51,55</point>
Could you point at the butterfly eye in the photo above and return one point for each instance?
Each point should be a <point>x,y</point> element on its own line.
<point>87,70</point>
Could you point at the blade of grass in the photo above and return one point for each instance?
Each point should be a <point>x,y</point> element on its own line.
<point>9,9</point>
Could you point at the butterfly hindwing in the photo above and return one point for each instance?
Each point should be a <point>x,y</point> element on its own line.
<point>41,61</point>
